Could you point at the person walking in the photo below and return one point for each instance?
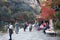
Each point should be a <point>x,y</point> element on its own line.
<point>10,31</point>
<point>30,27</point>
<point>16,27</point>
<point>46,27</point>
<point>39,24</point>
<point>25,25</point>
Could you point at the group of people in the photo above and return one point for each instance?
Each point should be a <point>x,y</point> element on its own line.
<point>42,25</point>
<point>16,27</point>
<point>27,24</point>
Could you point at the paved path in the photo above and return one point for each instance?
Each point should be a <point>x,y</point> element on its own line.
<point>34,35</point>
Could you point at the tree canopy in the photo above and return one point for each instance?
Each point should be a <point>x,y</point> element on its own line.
<point>13,10</point>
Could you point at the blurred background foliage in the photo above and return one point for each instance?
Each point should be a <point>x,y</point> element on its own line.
<point>57,20</point>
<point>11,11</point>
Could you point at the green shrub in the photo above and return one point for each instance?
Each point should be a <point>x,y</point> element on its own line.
<point>57,25</point>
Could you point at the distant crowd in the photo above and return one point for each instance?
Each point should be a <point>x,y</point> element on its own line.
<point>37,25</point>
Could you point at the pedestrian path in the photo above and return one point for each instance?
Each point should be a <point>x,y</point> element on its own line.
<point>34,35</point>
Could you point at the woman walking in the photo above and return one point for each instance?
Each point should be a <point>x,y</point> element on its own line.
<point>10,31</point>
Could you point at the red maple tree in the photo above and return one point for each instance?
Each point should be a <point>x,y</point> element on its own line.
<point>47,12</point>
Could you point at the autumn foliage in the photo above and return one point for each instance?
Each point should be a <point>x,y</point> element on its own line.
<point>46,10</point>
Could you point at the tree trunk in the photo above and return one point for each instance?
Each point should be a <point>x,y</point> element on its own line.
<point>51,23</point>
